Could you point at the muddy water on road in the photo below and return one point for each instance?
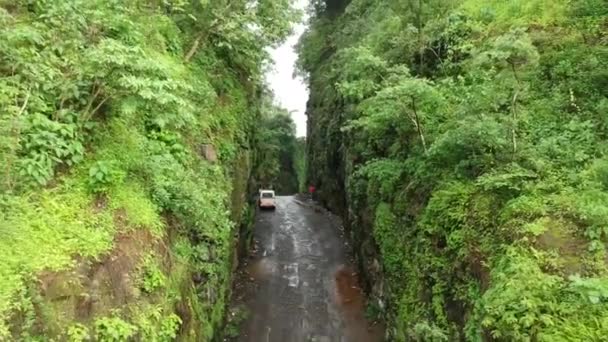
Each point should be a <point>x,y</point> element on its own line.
<point>299,284</point>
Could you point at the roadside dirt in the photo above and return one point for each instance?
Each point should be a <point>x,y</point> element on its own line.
<point>299,284</point>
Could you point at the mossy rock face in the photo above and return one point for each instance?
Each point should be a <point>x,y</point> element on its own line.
<point>59,286</point>
<point>208,153</point>
<point>561,237</point>
<point>97,289</point>
<point>94,288</point>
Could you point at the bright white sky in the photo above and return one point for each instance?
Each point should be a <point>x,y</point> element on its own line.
<point>290,93</point>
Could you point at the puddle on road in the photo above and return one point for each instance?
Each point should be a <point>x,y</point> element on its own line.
<point>351,302</point>
<point>261,268</point>
<point>348,293</point>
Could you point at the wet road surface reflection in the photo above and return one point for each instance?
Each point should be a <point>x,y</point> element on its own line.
<point>299,284</point>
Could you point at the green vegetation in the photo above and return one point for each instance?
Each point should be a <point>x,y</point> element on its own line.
<point>276,147</point>
<point>465,141</point>
<point>236,317</point>
<point>299,157</point>
<point>128,136</point>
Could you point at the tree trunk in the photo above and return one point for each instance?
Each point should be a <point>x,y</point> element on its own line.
<point>16,131</point>
<point>514,109</point>
<point>419,126</point>
<point>194,48</point>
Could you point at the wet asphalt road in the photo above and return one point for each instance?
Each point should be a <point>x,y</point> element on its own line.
<point>302,280</point>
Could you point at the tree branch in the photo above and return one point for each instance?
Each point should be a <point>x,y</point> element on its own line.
<point>419,126</point>
<point>440,60</point>
<point>514,124</point>
<point>202,36</point>
<point>99,105</point>
<point>194,47</point>
<point>515,74</point>
<point>7,170</point>
<point>87,111</point>
<point>514,109</point>
<point>92,99</point>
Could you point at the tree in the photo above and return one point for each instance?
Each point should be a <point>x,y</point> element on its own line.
<point>407,98</point>
<point>514,51</point>
<point>276,150</point>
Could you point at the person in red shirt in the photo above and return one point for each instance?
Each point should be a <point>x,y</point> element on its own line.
<point>311,191</point>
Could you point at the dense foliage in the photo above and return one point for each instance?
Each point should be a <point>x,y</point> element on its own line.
<point>127,138</point>
<point>470,136</point>
<point>299,157</point>
<point>276,149</point>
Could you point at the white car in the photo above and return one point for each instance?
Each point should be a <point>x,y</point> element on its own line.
<point>267,200</point>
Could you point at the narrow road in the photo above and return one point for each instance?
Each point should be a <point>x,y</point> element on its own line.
<point>301,283</point>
